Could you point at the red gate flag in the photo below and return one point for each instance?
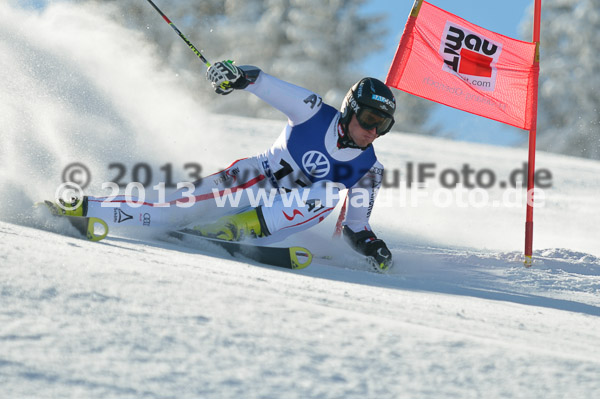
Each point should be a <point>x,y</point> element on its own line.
<point>447,59</point>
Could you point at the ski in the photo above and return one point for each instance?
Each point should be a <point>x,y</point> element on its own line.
<point>286,257</point>
<point>87,227</point>
<point>91,228</point>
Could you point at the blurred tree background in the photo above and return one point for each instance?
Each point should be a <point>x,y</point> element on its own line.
<point>319,44</point>
<point>316,44</point>
<point>569,91</point>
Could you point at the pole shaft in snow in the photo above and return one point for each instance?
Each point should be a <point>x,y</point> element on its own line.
<point>338,226</point>
<point>190,45</point>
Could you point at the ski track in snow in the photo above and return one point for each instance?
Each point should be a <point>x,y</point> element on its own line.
<point>128,318</point>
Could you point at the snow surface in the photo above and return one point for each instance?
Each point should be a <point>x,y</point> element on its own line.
<point>139,316</point>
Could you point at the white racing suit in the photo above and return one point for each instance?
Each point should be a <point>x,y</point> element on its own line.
<point>295,183</point>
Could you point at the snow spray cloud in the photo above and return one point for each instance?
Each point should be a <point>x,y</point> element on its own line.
<point>73,89</point>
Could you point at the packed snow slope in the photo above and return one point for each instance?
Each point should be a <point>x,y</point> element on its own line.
<point>143,316</point>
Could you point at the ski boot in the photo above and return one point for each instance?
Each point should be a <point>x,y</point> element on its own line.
<point>77,207</point>
<point>236,227</point>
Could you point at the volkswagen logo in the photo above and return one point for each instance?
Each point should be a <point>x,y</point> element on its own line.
<point>316,164</point>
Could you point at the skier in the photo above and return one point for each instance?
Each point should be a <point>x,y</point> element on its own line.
<point>319,152</point>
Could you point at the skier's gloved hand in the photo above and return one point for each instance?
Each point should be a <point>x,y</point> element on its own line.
<point>225,77</point>
<point>369,245</point>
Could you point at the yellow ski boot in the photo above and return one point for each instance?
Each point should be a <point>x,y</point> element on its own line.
<point>235,227</point>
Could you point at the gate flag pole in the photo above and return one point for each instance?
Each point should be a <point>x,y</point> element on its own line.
<point>532,135</point>
<point>441,56</point>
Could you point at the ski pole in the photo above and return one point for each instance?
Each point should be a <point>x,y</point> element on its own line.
<point>190,45</point>
<point>338,226</point>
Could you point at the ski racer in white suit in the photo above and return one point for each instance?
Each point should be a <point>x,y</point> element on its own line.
<point>319,152</point>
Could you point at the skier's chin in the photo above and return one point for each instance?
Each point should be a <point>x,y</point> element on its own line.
<point>364,140</point>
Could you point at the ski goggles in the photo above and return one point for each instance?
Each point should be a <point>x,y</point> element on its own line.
<point>369,118</point>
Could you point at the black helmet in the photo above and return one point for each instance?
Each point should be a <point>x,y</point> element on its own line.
<point>372,102</point>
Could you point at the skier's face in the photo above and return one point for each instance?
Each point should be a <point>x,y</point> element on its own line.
<point>361,136</point>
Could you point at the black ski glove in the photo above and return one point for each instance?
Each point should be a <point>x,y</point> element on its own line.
<point>225,77</point>
<point>369,245</point>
